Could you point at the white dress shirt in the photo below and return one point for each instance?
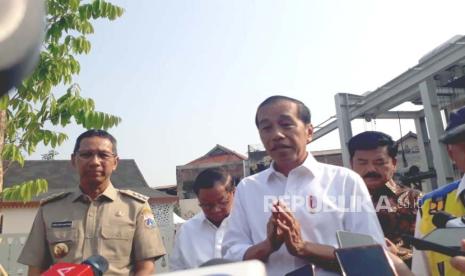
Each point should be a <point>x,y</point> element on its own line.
<point>197,241</point>
<point>327,189</point>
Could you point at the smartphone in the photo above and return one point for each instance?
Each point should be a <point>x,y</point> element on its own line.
<point>364,260</point>
<point>350,239</point>
<point>450,237</point>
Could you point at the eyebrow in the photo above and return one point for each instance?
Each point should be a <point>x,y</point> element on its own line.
<point>280,118</point>
<point>264,121</point>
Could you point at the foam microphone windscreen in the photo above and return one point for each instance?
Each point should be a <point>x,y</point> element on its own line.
<point>22,26</point>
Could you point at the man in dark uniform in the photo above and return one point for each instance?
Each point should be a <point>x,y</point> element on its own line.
<point>95,218</point>
<point>373,157</point>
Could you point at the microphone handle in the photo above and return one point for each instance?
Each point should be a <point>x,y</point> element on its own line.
<point>427,245</point>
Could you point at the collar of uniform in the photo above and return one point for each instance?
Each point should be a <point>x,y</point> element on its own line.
<point>110,193</point>
<point>461,186</point>
<point>310,165</point>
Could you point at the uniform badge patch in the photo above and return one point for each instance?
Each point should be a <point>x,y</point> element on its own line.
<point>60,250</point>
<point>149,219</point>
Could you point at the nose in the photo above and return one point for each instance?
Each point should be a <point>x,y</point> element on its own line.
<point>277,134</point>
<point>94,159</point>
<point>370,168</point>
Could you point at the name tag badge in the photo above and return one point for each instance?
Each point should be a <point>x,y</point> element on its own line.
<point>62,224</point>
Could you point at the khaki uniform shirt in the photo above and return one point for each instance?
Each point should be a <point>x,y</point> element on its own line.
<point>70,227</point>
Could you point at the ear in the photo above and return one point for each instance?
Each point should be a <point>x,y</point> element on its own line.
<point>73,160</point>
<point>449,152</point>
<point>115,165</point>
<point>394,162</point>
<point>309,130</point>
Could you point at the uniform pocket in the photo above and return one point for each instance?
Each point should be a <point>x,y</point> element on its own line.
<point>116,242</point>
<point>117,233</point>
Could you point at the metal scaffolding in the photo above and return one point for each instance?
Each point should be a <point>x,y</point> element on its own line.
<point>437,83</point>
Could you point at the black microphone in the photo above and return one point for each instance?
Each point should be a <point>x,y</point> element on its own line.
<point>445,220</point>
<point>21,35</point>
<point>420,244</point>
<point>98,263</point>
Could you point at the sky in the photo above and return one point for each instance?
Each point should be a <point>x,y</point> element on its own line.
<point>185,75</point>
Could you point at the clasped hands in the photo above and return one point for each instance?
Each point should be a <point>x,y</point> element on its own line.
<point>283,227</point>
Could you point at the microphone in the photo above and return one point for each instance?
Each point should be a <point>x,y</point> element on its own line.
<point>420,244</point>
<point>22,25</point>
<point>93,266</point>
<point>445,220</point>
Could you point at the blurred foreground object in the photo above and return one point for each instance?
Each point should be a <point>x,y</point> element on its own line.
<point>22,25</point>
<point>247,268</point>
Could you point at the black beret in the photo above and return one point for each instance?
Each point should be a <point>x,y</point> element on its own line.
<point>455,130</point>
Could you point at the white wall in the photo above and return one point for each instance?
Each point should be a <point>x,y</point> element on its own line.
<point>189,207</point>
<point>18,220</point>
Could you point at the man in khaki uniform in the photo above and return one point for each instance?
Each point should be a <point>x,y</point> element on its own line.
<point>95,219</point>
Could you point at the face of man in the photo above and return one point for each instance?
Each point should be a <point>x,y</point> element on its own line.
<point>375,166</point>
<point>457,154</point>
<point>94,162</point>
<point>216,202</point>
<point>283,134</point>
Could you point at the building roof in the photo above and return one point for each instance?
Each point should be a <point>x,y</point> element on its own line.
<point>61,176</point>
<point>406,136</point>
<point>218,154</point>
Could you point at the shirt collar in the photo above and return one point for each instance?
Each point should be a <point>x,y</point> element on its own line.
<point>109,193</point>
<point>310,165</point>
<point>393,187</point>
<point>205,220</point>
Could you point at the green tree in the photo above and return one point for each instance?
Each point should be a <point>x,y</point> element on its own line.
<point>50,155</point>
<point>28,114</point>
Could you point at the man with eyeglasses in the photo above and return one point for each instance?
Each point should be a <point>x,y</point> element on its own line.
<point>200,238</point>
<point>95,218</point>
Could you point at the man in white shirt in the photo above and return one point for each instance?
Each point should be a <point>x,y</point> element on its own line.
<point>200,238</point>
<point>318,199</point>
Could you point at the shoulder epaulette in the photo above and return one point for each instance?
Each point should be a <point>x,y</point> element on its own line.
<point>135,195</point>
<point>54,197</point>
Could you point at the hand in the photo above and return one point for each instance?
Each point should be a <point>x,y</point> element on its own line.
<point>290,228</point>
<point>273,234</point>
<point>399,265</point>
<point>458,262</point>
<point>391,246</point>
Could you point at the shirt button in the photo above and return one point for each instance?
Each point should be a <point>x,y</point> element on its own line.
<point>91,215</point>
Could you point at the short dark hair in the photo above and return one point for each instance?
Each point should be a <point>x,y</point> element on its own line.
<point>211,176</point>
<point>302,110</point>
<point>370,140</point>
<point>95,133</point>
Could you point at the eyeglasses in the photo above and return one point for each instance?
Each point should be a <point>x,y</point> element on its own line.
<point>222,204</point>
<point>102,155</point>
